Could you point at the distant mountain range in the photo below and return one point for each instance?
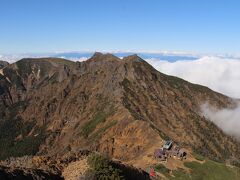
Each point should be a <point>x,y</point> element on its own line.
<point>75,55</point>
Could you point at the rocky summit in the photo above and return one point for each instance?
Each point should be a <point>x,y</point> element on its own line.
<point>55,114</point>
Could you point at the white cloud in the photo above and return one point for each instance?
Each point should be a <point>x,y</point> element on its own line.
<point>11,58</point>
<point>80,59</point>
<point>218,73</point>
<point>226,119</point>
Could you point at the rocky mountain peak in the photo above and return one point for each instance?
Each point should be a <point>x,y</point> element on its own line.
<point>97,56</point>
<point>133,57</point>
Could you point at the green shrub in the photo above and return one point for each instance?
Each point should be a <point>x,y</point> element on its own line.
<point>102,112</point>
<point>208,170</point>
<point>13,127</point>
<point>199,157</point>
<point>101,168</point>
<point>162,169</point>
<point>90,126</point>
<point>98,134</point>
<point>126,82</point>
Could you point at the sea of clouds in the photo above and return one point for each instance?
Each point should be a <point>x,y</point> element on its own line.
<point>218,73</point>
<point>226,119</point>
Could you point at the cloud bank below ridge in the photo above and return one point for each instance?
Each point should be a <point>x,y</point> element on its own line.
<point>226,119</point>
<point>218,73</point>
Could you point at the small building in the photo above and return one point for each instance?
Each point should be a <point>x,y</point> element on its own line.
<point>168,144</point>
<point>160,154</point>
<point>182,154</point>
<point>175,151</point>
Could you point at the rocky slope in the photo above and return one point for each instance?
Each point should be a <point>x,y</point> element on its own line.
<point>123,108</point>
<point>70,167</point>
<point>3,64</point>
<point>23,174</point>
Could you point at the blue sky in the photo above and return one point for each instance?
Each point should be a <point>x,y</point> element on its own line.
<point>206,26</point>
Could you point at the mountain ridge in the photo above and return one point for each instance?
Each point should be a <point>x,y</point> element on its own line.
<point>120,107</point>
